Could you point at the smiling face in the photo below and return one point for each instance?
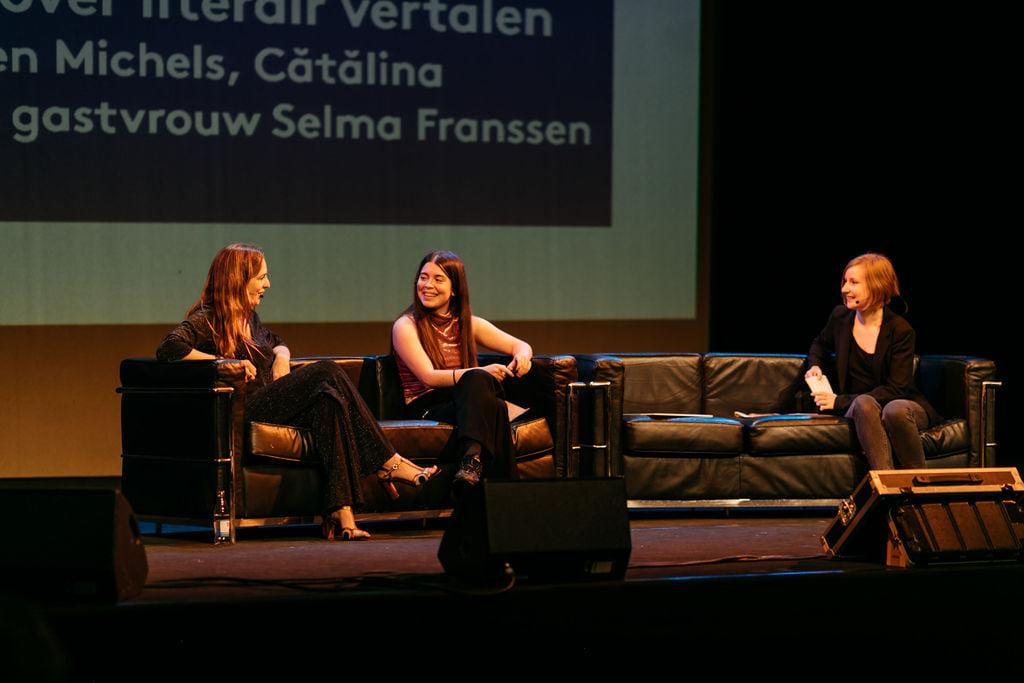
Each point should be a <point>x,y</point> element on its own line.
<point>856,294</point>
<point>255,288</point>
<point>434,288</point>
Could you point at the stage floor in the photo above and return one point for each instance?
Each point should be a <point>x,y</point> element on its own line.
<point>760,583</point>
<point>276,562</point>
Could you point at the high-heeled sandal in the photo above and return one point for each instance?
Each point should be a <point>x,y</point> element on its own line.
<point>405,471</point>
<point>341,524</point>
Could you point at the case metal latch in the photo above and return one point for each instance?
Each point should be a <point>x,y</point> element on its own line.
<point>847,511</point>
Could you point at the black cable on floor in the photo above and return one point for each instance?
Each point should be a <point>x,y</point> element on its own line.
<point>727,559</point>
<point>333,584</point>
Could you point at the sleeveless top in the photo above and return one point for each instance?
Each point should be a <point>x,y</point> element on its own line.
<point>448,333</point>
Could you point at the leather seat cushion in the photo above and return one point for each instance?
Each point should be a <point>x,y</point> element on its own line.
<point>691,436</point>
<point>276,444</point>
<point>419,440</point>
<point>422,441</point>
<point>947,438</point>
<point>532,438</point>
<point>814,434</point>
<point>801,434</point>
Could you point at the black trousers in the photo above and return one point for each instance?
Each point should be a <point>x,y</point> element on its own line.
<point>347,440</point>
<point>476,408</point>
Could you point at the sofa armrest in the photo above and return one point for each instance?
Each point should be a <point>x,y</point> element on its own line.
<point>184,410</point>
<point>183,424</point>
<point>964,387</point>
<point>594,413</point>
<point>149,373</point>
<point>545,391</point>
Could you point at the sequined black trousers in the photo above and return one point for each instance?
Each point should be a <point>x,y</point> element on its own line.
<point>347,441</point>
<point>476,407</point>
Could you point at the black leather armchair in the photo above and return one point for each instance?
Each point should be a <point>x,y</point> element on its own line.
<point>190,456</point>
<point>674,435</point>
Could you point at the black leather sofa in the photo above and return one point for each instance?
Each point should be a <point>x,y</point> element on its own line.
<point>190,456</point>
<point>673,432</point>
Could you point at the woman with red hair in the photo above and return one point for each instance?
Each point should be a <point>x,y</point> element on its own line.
<point>874,358</point>
<point>347,441</point>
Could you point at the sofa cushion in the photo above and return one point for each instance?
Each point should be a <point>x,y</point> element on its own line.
<point>661,383</point>
<point>826,475</point>
<point>273,443</point>
<point>694,436</point>
<point>531,438</point>
<point>277,491</point>
<point>422,441</point>
<point>752,384</point>
<point>948,438</point>
<point>801,433</point>
<point>650,477</point>
<point>534,449</point>
<point>811,434</point>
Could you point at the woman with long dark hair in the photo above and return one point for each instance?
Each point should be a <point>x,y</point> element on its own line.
<point>435,343</point>
<point>874,357</point>
<point>347,441</point>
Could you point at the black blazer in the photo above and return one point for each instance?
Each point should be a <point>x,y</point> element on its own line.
<point>893,365</point>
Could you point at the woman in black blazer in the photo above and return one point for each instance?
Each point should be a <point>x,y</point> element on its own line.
<point>874,350</point>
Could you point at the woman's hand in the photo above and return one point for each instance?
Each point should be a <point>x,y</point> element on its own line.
<point>824,401</point>
<point>520,364</point>
<point>815,371</point>
<point>282,366</point>
<point>489,336</point>
<point>250,370</point>
<point>497,371</point>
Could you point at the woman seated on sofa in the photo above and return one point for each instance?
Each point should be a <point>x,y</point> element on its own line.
<point>348,442</point>
<point>435,342</point>
<point>874,350</point>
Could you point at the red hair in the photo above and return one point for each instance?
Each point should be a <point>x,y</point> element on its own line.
<point>224,295</point>
<point>879,277</point>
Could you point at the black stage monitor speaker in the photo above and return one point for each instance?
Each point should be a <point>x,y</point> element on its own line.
<point>933,516</point>
<point>70,545</point>
<point>546,530</point>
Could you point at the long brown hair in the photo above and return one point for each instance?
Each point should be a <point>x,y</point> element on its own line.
<point>224,295</point>
<point>459,307</point>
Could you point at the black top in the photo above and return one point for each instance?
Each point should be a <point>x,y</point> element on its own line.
<point>892,364</point>
<point>861,379</point>
<point>197,333</point>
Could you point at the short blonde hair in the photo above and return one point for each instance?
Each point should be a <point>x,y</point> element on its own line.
<point>879,276</point>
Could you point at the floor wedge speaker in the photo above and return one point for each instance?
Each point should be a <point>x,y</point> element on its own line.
<point>71,545</point>
<point>544,530</point>
<point>932,516</point>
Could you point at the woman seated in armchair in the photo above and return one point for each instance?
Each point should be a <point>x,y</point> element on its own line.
<point>347,441</point>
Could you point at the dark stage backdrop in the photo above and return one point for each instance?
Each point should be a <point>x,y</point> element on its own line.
<point>841,131</point>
